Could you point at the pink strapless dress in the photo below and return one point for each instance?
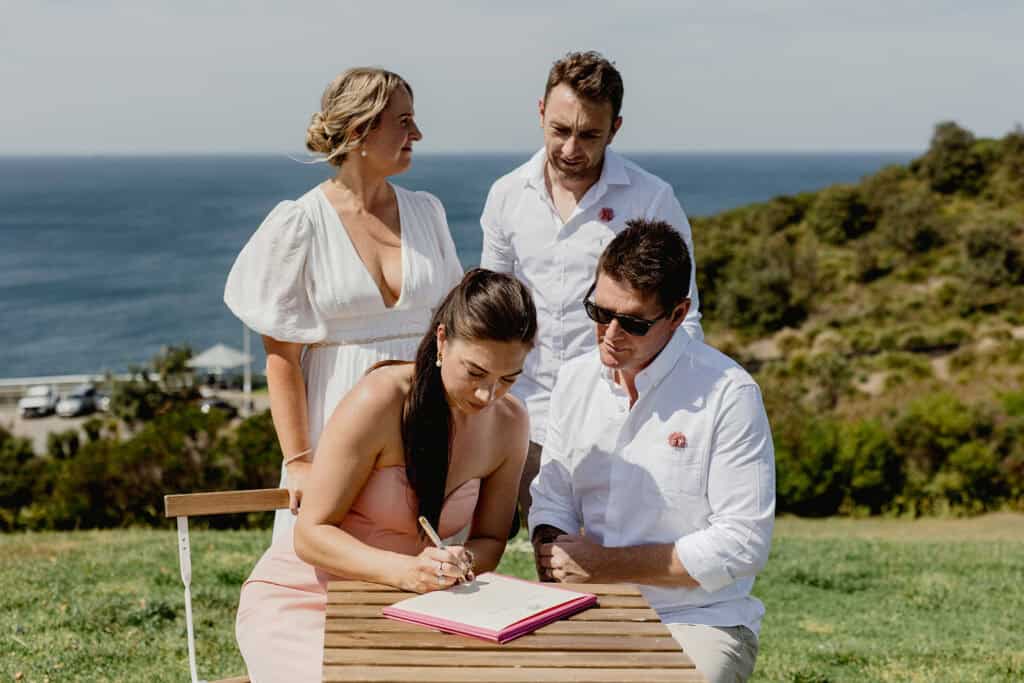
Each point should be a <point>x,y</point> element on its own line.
<point>282,608</point>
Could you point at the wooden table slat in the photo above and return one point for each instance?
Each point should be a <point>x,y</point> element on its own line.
<point>402,674</point>
<point>535,641</point>
<point>595,588</point>
<point>382,598</point>
<point>564,627</point>
<point>603,614</point>
<point>564,659</point>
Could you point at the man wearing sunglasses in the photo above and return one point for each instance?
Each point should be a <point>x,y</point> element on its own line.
<point>547,221</point>
<point>658,466</point>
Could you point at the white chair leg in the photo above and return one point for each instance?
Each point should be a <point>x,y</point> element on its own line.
<point>185,560</point>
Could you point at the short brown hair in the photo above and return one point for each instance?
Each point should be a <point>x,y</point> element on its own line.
<point>590,76</point>
<point>651,257</point>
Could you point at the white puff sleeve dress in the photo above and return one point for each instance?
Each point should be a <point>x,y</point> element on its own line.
<point>299,279</point>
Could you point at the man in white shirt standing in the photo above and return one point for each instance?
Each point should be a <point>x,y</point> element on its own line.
<point>547,221</point>
<point>658,467</point>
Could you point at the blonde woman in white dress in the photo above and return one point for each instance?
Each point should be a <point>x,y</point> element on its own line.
<point>348,274</point>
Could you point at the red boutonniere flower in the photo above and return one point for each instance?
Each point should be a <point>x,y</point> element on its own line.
<point>607,214</point>
<point>677,440</point>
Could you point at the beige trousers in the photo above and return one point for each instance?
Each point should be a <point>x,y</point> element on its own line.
<point>724,654</point>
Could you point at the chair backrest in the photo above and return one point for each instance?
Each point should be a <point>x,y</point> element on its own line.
<point>224,502</point>
<point>185,505</point>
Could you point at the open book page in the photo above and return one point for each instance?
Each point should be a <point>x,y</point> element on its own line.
<point>492,601</point>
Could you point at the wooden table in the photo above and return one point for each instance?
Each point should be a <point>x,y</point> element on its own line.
<point>621,640</point>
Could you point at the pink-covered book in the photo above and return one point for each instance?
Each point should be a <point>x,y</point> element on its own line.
<point>495,607</point>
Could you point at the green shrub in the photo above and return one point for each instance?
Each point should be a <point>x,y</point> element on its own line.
<point>809,480</point>
<point>109,482</point>
<point>971,478</point>
<point>952,163</point>
<point>915,224</point>
<point>873,467</point>
<point>767,286</point>
<point>19,472</point>
<point>930,430</point>
<point>838,215</point>
<point>1013,403</point>
<point>992,252</point>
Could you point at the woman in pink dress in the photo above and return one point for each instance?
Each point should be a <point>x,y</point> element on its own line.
<point>441,438</point>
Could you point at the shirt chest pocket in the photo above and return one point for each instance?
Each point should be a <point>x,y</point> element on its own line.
<point>673,474</point>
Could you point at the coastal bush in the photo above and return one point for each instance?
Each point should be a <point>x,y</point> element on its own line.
<point>766,286</point>
<point>1013,403</point>
<point>993,255</point>
<point>809,480</point>
<point>109,482</point>
<point>832,378</point>
<point>872,258</point>
<point>149,393</point>
<point>929,431</point>
<point>915,224</point>
<point>952,163</point>
<point>883,188</point>
<point>873,466</point>
<point>1006,184</point>
<point>18,474</point>
<point>839,214</point>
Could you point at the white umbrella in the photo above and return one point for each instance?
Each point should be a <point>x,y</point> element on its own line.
<point>218,358</point>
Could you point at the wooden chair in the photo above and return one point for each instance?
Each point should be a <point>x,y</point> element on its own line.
<point>183,506</point>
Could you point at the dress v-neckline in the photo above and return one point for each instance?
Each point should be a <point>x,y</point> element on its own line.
<point>355,252</point>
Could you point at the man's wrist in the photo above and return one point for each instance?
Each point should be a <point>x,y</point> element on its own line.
<point>545,533</point>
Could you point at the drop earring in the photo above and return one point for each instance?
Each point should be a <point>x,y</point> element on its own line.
<point>438,361</point>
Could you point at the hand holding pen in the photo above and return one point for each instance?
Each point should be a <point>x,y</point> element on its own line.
<point>463,557</point>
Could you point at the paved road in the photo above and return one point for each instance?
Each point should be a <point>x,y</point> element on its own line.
<point>37,428</point>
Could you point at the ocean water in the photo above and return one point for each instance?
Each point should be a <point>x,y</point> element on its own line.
<point>105,260</point>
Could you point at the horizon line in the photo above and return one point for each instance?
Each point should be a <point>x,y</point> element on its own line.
<point>465,153</point>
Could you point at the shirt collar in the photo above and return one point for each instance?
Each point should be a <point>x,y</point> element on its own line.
<point>613,172</point>
<point>659,368</point>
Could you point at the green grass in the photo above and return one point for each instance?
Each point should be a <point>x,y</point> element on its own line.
<point>847,600</point>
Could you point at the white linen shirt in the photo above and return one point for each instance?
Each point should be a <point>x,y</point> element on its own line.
<point>524,235</point>
<point>611,471</point>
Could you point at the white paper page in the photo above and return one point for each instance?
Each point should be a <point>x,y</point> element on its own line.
<point>492,601</point>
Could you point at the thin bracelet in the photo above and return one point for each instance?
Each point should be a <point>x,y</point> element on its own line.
<point>301,454</point>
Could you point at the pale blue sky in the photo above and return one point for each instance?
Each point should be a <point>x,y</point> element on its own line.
<point>183,76</point>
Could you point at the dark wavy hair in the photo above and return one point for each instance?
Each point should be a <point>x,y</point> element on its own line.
<point>484,306</point>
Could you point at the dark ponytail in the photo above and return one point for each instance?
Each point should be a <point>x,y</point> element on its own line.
<point>484,306</point>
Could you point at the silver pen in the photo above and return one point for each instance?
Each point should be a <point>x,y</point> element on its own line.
<point>432,535</point>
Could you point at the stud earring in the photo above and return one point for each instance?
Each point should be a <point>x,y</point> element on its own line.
<point>362,152</point>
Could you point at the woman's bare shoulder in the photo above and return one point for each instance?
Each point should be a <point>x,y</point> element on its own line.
<point>382,388</point>
<point>511,414</point>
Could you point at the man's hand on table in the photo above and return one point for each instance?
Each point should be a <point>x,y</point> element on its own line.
<point>572,559</point>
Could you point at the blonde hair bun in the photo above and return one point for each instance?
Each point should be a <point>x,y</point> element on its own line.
<point>349,108</point>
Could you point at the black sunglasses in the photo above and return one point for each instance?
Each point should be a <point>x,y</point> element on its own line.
<point>637,327</point>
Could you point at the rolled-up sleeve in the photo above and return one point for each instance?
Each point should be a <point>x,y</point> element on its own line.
<point>667,208</point>
<point>497,254</point>
<point>552,491</point>
<point>741,495</point>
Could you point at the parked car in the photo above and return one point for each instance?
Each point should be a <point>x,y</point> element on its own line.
<point>80,401</point>
<point>38,401</point>
<point>215,403</point>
